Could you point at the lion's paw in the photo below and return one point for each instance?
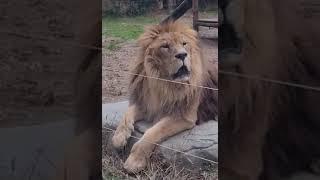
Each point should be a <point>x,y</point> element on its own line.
<point>135,163</point>
<point>121,137</point>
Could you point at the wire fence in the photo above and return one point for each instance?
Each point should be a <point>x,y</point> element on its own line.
<point>169,148</point>
<point>86,46</point>
<point>165,80</point>
<point>233,74</point>
<point>284,83</point>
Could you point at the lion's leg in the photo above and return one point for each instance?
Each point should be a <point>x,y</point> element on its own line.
<point>248,161</point>
<point>244,155</point>
<point>142,150</point>
<point>125,127</point>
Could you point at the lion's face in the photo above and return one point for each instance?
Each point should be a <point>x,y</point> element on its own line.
<point>169,52</point>
<point>171,56</point>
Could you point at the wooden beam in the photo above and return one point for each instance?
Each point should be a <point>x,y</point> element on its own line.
<point>178,12</point>
<point>208,24</point>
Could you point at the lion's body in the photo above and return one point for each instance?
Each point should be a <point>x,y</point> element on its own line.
<point>167,88</point>
<point>270,130</point>
<point>158,98</point>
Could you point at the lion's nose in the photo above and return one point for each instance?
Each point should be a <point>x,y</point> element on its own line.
<point>181,56</point>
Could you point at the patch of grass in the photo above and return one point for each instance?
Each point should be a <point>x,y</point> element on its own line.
<point>113,45</point>
<point>126,28</point>
<point>209,14</point>
<point>212,13</point>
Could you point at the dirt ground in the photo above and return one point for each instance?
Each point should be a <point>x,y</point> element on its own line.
<point>115,63</point>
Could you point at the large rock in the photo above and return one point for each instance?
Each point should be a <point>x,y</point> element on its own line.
<point>201,141</point>
<point>22,146</point>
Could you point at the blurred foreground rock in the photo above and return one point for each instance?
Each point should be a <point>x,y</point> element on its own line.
<point>200,141</point>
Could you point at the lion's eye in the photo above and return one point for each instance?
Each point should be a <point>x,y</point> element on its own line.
<point>165,46</point>
<point>184,43</point>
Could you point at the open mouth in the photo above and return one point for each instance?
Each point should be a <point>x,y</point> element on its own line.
<point>182,73</point>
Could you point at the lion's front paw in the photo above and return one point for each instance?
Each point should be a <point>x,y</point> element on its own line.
<point>121,136</point>
<point>135,163</point>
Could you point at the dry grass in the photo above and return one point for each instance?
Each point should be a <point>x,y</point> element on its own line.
<point>112,163</point>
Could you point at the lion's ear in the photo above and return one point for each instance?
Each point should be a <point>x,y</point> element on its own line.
<point>150,33</point>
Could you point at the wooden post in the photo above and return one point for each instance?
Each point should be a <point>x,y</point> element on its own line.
<point>195,14</point>
<point>178,12</point>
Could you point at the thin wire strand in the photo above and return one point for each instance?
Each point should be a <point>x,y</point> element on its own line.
<point>97,48</point>
<point>47,38</point>
<point>270,80</point>
<point>166,80</point>
<point>172,149</point>
<point>23,35</point>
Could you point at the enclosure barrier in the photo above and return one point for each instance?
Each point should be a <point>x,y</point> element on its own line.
<point>233,74</point>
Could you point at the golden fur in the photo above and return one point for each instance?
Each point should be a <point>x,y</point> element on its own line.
<point>172,107</point>
<point>261,122</point>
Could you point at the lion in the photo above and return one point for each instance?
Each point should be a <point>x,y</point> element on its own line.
<point>169,52</point>
<point>268,130</point>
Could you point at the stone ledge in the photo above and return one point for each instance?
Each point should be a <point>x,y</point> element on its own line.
<point>200,141</point>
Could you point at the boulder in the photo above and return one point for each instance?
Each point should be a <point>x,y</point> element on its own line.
<point>188,149</point>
